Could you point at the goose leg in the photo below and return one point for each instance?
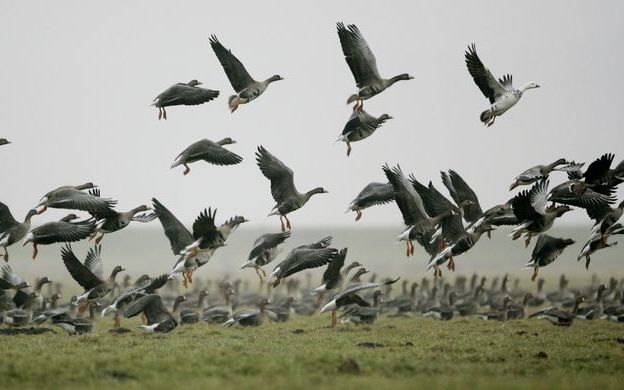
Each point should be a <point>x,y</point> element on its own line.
<point>186,169</point>
<point>320,299</point>
<point>359,215</point>
<point>534,274</point>
<point>117,320</point>
<point>528,240</point>
<point>411,248</point>
<point>451,264</point>
<point>92,236</point>
<point>490,123</point>
<point>489,234</point>
<point>234,104</point>
<point>159,113</point>
<point>348,148</point>
<point>334,319</point>
<point>35,251</point>
<point>287,222</point>
<point>164,113</point>
<point>259,276</point>
<point>407,251</point>
<point>99,239</point>
<point>587,261</point>
<point>190,277</point>
<point>6,255</point>
<point>282,222</point>
<point>185,281</point>
<point>361,106</point>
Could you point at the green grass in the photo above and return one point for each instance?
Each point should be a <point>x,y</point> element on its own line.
<point>408,352</point>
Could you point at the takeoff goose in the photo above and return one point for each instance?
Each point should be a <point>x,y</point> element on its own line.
<point>265,250</point>
<point>334,275</point>
<point>63,230</point>
<point>546,250</point>
<point>12,231</point>
<point>209,151</point>
<point>600,177</point>
<point>159,319</point>
<point>183,94</point>
<point>72,198</point>
<point>363,65</point>
<point>110,221</point>
<point>360,126</point>
<point>536,173</point>
<point>283,186</point>
<point>501,93</point>
<point>599,241</point>
<point>299,259</point>
<point>371,195</point>
<point>247,89</point>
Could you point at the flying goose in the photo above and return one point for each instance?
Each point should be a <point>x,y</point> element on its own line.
<point>600,177</point>
<point>300,259</point>
<point>599,241</point>
<point>334,275</point>
<point>89,275</point>
<point>10,282</point>
<point>546,250</point>
<point>283,186</point>
<point>360,125</point>
<point>536,173</point>
<point>12,231</point>
<point>371,195</point>
<point>72,197</point>
<point>4,141</point>
<point>110,220</point>
<point>247,89</point>
<point>501,93</point>
<point>265,250</point>
<point>63,230</point>
<point>534,217</point>
<point>209,151</point>
<point>159,319</point>
<point>194,249</point>
<point>183,94</point>
<point>348,296</point>
<point>363,65</point>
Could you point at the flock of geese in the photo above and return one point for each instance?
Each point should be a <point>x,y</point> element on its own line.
<point>445,227</point>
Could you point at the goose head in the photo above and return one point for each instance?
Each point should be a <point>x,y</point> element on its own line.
<point>317,190</point>
<point>193,83</point>
<point>273,78</point>
<point>529,85</point>
<point>226,141</point>
<point>4,141</point>
<point>69,217</point>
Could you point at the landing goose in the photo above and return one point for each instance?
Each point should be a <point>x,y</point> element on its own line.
<point>187,94</point>
<point>371,195</point>
<point>209,151</point>
<point>363,65</point>
<point>12,231</point>
<point>63,230</point>
<point>300,259</point>
<point>159,319</point>
<point>598,241</point>
<point>265,250</point>
<point>334,275</point>
<point>501,93</point>
<point>356,314</point>
<point>283,186</point>
<point>360,126</point>
<point>247,89</point>
<point>73,198</point>
<point>536,173</point>
<point>546,250</point>
<point>110,220</point>
<point>600,177</point>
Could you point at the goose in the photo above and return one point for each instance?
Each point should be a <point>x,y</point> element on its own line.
<point>265,250</point>
<point>348,296</point>
<point>443,312</point>
<point>420,225</point>
<point>12,231</point>
<point>371,195</point>
<point>77,326</point>
<point>247,89</point>
<point>559,317</point>
<point>73,198</point>
<point>283,186</point>
<point>21,315</point>
<point>566,193</point>
<point>4,141</point>
<point>534,217</point>
<point>248,317</point>
<point>600,177</point>
<point>595,310</point>
<point>208,151</point>
<point>280,312</point>
<point>63,230</point>
<point>220,314</point>
<point>605,217</point>
<point>143,286</point>
<point>12,282</point>
<point>471,306</point>
<point>536,173</point>
<point>111,221</point>
<point>189,316</point>
<point>89,275</point>
<point>299,259</point>
<point>546,250</point>
<point>599,241</point>
<point>356,314</point>
<point>159,319</point>
<point>501,93</point>
<point>497,315</point>
<point>360,126</point>
<point>334,275</point>
<point>194,249</point>
<point>517,312</point>
<point>183,94</point>
<point>363,65</point>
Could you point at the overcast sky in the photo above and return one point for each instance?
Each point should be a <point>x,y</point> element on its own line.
<point>78,78</point>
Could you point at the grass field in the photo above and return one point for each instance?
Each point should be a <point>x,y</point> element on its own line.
<point>305,352</point>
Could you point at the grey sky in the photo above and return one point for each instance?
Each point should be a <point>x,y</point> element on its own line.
<point>78,78</point>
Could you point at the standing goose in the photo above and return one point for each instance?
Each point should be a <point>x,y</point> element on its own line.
<point>595,310</point>
<point>63,230</point>
<point>12,231</point>
<point>209,151</point>
<point>4,141</point>
<point>283,186</point>
<point>501,93</point>
<point>534,217</point>
<point>159,319</point>
<point>247,89</point>
<point>194,249</point>
<point>110,221</point>
<point>183,94</point>
<point>536,173</point>
<point>72,197</point>
<point>373,194</point>
<point>265,250</point>
<point>363,65</point>
<point>546,250</point>
<point>300,259</point>
<point>89,275</point>
<point>361,125</point>
<point>248,317</point>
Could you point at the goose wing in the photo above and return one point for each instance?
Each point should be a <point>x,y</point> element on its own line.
<point>211,152</point>
<point>151,305</point>
<point>358,55</point>
<point>281,177</point>
<point>79,272</point>
<point>373,194</point>
<point>6,218</point>
<point>179,236</point>
<point>320,244</point>
<point>74,199</point>
<point>461,191</point>
<point>407,199</point>
<point>332,273</point>
<point>9,276</point>
<point>539,196</point>
<point>267,241</point>
<point>204,227</point>
<point>184,94</point>
<point>234,69</point>
<point>54,232</point>
<point>300,259</point>
<point>491,88</point>
<point>597,170</point>
<point>94,261</point>
<point>363,286</point>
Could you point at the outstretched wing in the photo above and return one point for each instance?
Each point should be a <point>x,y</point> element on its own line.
<point>281,177</point>
<point>234,69</point>
<point>94,261</point>
<point>6,218</point>
<point>461,191</point>
<point>79,272</point>
<point>491,88</point>
<point>179,236</point>
<point>359,56</point>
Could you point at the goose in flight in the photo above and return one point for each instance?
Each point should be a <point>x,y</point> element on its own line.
<point>265,250</point>
<point>360,125</point>
<point>283,186</point>
<point>159,319</point>
<point>546,250</point>
<point>4,141</point>
<point>536,173</point>
<point>363,65</point>
<point>209,151</point>
<point>12,231</point>
<point>371,195</point>
<point>183,94</point>
<point>73,198</point>
<point>501,93</point>
<point>247,89</point>
<point>63,230</point>
<point>302,258</point>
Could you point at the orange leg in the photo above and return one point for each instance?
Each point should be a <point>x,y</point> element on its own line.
<point>287,222</point>
<point>348,148</point>
<point>320,299</point>
<point>528,240</point>
<point>451,264</point>
<point>185,281</point>
<point>282,222</point>
<point>359,215</point>
<point>100,238</point>
<point>258,273</point>
<point>117,320</point>
<point>407,251</point>
<point>190,277</point>
<point>35,251</point>
<point>6,255</point>
<point>164,113</point>
<point>587,261</point>
<point>334,319</point>
<point>534,274</point>
<point>186,170</point>
<point>159,113</point>
<point>411,248</point>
